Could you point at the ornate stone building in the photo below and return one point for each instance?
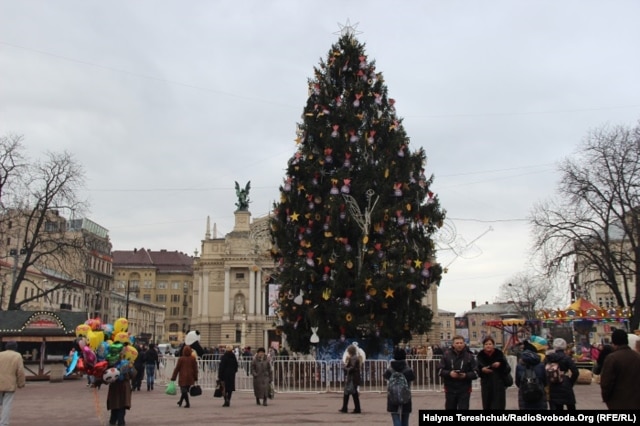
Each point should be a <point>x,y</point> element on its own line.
<point>231,286</point>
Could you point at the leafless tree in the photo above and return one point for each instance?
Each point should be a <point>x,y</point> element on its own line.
<point>529,293</point>
<point>11,161</point>
<point>35,232</point>
<point>593,225</point>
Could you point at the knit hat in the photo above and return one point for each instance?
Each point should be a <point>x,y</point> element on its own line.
<point>619,337</point>
<point>559,344</point>
<point>399,354</point>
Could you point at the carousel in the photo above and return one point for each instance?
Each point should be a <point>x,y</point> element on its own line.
<point>582,316</point>
<point>514,330</point>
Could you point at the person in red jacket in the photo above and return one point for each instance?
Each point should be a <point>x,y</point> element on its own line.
<point>186,371</point>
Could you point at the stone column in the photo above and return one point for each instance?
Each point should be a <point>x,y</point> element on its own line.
<point>227,283</point>
<point>252,291</point>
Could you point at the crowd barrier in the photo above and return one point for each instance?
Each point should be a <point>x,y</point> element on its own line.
<point>298,376</point>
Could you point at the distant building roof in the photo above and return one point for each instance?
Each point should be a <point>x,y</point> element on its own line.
<point>494,308</point>
<point>161,260</point>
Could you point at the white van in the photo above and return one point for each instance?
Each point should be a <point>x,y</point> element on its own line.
<point>165,349</point>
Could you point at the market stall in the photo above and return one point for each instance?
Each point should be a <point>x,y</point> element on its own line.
<point>44,338</point>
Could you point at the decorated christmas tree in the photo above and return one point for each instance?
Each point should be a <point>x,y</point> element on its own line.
<point>353,228</point>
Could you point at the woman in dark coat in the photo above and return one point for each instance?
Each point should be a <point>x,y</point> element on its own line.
<point>530,359</point>
<point>227,373</point>
<point>352,367</point>
<point>186,371</point>
<point>400,414</point>
<point>262,376</point>
<point>119,395</point>
<point>492,368</point>
<point>606,350</point>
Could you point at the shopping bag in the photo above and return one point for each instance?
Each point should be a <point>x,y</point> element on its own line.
<point>272,391</point>
<point>219,389</point>
<point>171,388</point>
<point>195,390</point>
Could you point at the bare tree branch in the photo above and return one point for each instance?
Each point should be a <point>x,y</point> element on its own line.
<point>36,233</point>
<point>593,225</point>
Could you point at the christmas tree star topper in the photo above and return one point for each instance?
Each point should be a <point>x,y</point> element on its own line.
<point>348,29</point>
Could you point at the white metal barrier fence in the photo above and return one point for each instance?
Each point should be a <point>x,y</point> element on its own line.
<point>313,376</point>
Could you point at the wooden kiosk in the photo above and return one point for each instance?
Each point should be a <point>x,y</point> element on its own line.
<point>44,339</point>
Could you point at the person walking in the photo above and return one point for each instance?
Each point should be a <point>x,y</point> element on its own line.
<point>530,366</point>
<point>138,364</point>
<point>620,376</point>
<point>458,369</point>
<point>352,366</point>
<point>561,393</point>
<point>151,363</point>
<point>11,378</point>
<point>119,395</point>
<point>492,370</point>
<point>399,412</point>
<point>227,374</point>
<point>186,371</point>
<point>262,376</point>
<point>603,352</point>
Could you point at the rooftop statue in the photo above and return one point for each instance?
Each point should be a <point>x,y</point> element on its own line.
<point>243,196</point>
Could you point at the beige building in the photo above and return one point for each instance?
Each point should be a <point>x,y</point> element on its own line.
<point>446,327</point>
<point>74,255</point>
<point>232,286</point>
<point>161,278</point>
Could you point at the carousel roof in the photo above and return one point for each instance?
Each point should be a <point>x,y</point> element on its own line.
<point>582,309</point>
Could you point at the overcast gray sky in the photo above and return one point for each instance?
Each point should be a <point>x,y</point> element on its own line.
<point>167,103</point>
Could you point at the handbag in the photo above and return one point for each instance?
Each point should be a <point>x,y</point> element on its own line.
<point>507,379</point>
<point>349,388</point>
<point>219,391</point>
<point>195,390</point>
<point>171,388</point>
<point>272,391</point>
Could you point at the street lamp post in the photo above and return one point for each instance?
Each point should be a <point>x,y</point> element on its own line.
<point>126,310</point>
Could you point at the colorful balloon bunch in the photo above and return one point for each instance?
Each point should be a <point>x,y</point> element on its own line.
<point>101,347</point>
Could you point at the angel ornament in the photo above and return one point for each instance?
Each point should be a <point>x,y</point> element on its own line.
<point>314,337</point>
<point>243,197</point>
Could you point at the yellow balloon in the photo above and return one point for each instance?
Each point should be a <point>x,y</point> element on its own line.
<point>83,330</point>
<point>130,353</point>
<point>95,339</point>
<point>121,337</point>
<point>120,325</point>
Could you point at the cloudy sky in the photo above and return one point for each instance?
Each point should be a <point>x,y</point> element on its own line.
<point>167,103</point>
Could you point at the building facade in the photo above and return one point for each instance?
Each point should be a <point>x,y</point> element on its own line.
<point>163,278</point>
<point>234,293</point>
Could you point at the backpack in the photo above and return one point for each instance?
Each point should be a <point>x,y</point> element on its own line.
<point>554,374</point>
<point>532,390</point>
<point>398,391</point>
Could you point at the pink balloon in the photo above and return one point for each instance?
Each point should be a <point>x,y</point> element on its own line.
<point>88,355</point>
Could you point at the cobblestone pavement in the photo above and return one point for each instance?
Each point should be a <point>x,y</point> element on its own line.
<point>72,403</point>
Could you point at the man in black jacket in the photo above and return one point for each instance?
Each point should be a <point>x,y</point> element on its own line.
<point>458,369</point>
